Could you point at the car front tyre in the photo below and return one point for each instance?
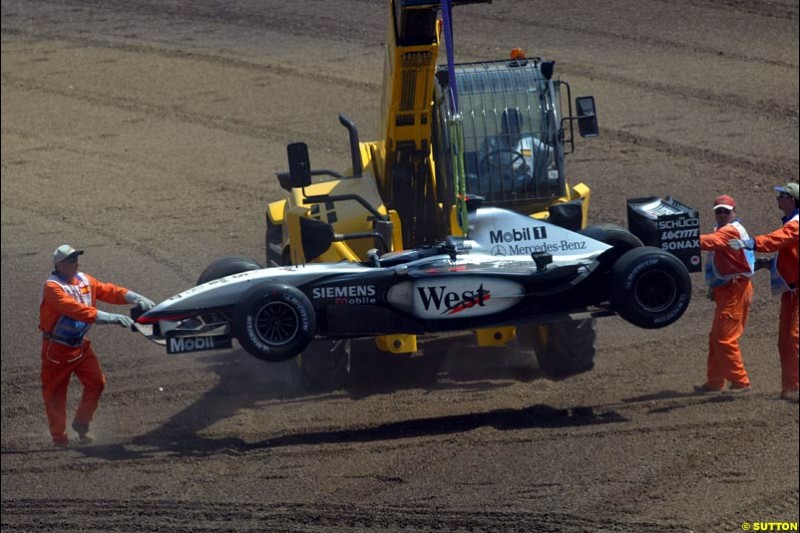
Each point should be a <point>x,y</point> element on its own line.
<point>274,322</point>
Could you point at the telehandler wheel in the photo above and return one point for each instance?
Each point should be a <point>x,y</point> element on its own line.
<point>650,288</point>
<point>325,365</point>
<point>273,322</point>
<point>563,349</point>
<point>227,266</point>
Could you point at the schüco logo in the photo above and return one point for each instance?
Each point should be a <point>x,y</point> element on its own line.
<point>680,223</point>
<point>451,302</point>
<point>515,235</point>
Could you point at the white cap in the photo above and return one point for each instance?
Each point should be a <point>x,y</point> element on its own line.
<point>791,189</point>
<point>65,251</point>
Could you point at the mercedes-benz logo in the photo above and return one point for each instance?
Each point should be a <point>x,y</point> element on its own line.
<point>498,250</point>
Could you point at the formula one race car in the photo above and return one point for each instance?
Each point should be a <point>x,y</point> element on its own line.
<point>512,269</point>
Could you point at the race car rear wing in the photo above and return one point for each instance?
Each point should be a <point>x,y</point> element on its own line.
<point>667,224</point>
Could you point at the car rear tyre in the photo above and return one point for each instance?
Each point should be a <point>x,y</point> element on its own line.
<point>621,239</point>
<point>650,288</point>
<point>563,349</point>
<point>274,322</point>
<point>227,266</point>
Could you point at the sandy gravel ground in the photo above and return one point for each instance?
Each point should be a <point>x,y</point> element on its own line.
<point>149,131</point>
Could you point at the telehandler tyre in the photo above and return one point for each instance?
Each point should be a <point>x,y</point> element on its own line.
<point>563,349</point>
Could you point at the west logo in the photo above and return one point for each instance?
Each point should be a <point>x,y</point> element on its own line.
<point>515,235</point>
<point>196,344</point>
<point>451,302</point>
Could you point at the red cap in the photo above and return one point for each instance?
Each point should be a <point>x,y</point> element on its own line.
<point>725,201</point>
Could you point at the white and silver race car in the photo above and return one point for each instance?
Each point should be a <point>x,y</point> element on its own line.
<point>512,269</point>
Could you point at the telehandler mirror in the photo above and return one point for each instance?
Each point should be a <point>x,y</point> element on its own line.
<point>299,165</point>
<point>587,117</point>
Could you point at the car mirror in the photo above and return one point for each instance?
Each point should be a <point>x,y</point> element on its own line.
<point>299,165</point>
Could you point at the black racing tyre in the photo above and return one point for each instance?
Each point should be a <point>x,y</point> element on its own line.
<point>325,365</point>
<point>273,322</point>
<point>563,349</point>
<point>227,266</point>
<point>621,239</point>
<point>650,288</point>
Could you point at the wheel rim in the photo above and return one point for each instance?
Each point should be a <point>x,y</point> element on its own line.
<point>277,323</point>
<point>655,291</point>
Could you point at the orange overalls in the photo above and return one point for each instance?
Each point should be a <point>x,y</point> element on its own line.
<point>784,281</point>
<point>728,273</point>
<point>66,311</point>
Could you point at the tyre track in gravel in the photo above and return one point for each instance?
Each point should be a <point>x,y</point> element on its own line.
<point>754,167</point>
<point>115,515</point>
<point>160,259</point>
<point>477,46</point>
<point>314,24</point>
<point>174,446</point>
<point>210,185</point>
<point>777,504</point>
<point>29,380</point>
<point>164,51</point>
<point>720,469</point>
<point>762,8</point>
<point>776,110</point>
<point>272,132</point>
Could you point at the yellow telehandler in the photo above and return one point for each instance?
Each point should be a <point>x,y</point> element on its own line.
<point>454,137</point>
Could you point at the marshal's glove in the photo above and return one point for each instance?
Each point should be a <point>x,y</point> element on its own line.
<point>142,302</point>
<point>738,244</point>
<point>113,318</point>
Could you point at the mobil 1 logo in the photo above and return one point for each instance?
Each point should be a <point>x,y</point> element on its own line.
<point>177,345</point>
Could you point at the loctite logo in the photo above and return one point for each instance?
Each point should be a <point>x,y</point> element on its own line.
<point>451,302</point>
<point>515,235</point>
<point>680,234</point>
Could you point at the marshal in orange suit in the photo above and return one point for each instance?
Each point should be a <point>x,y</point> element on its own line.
<point>728,274</point>
<point>66,313</point>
